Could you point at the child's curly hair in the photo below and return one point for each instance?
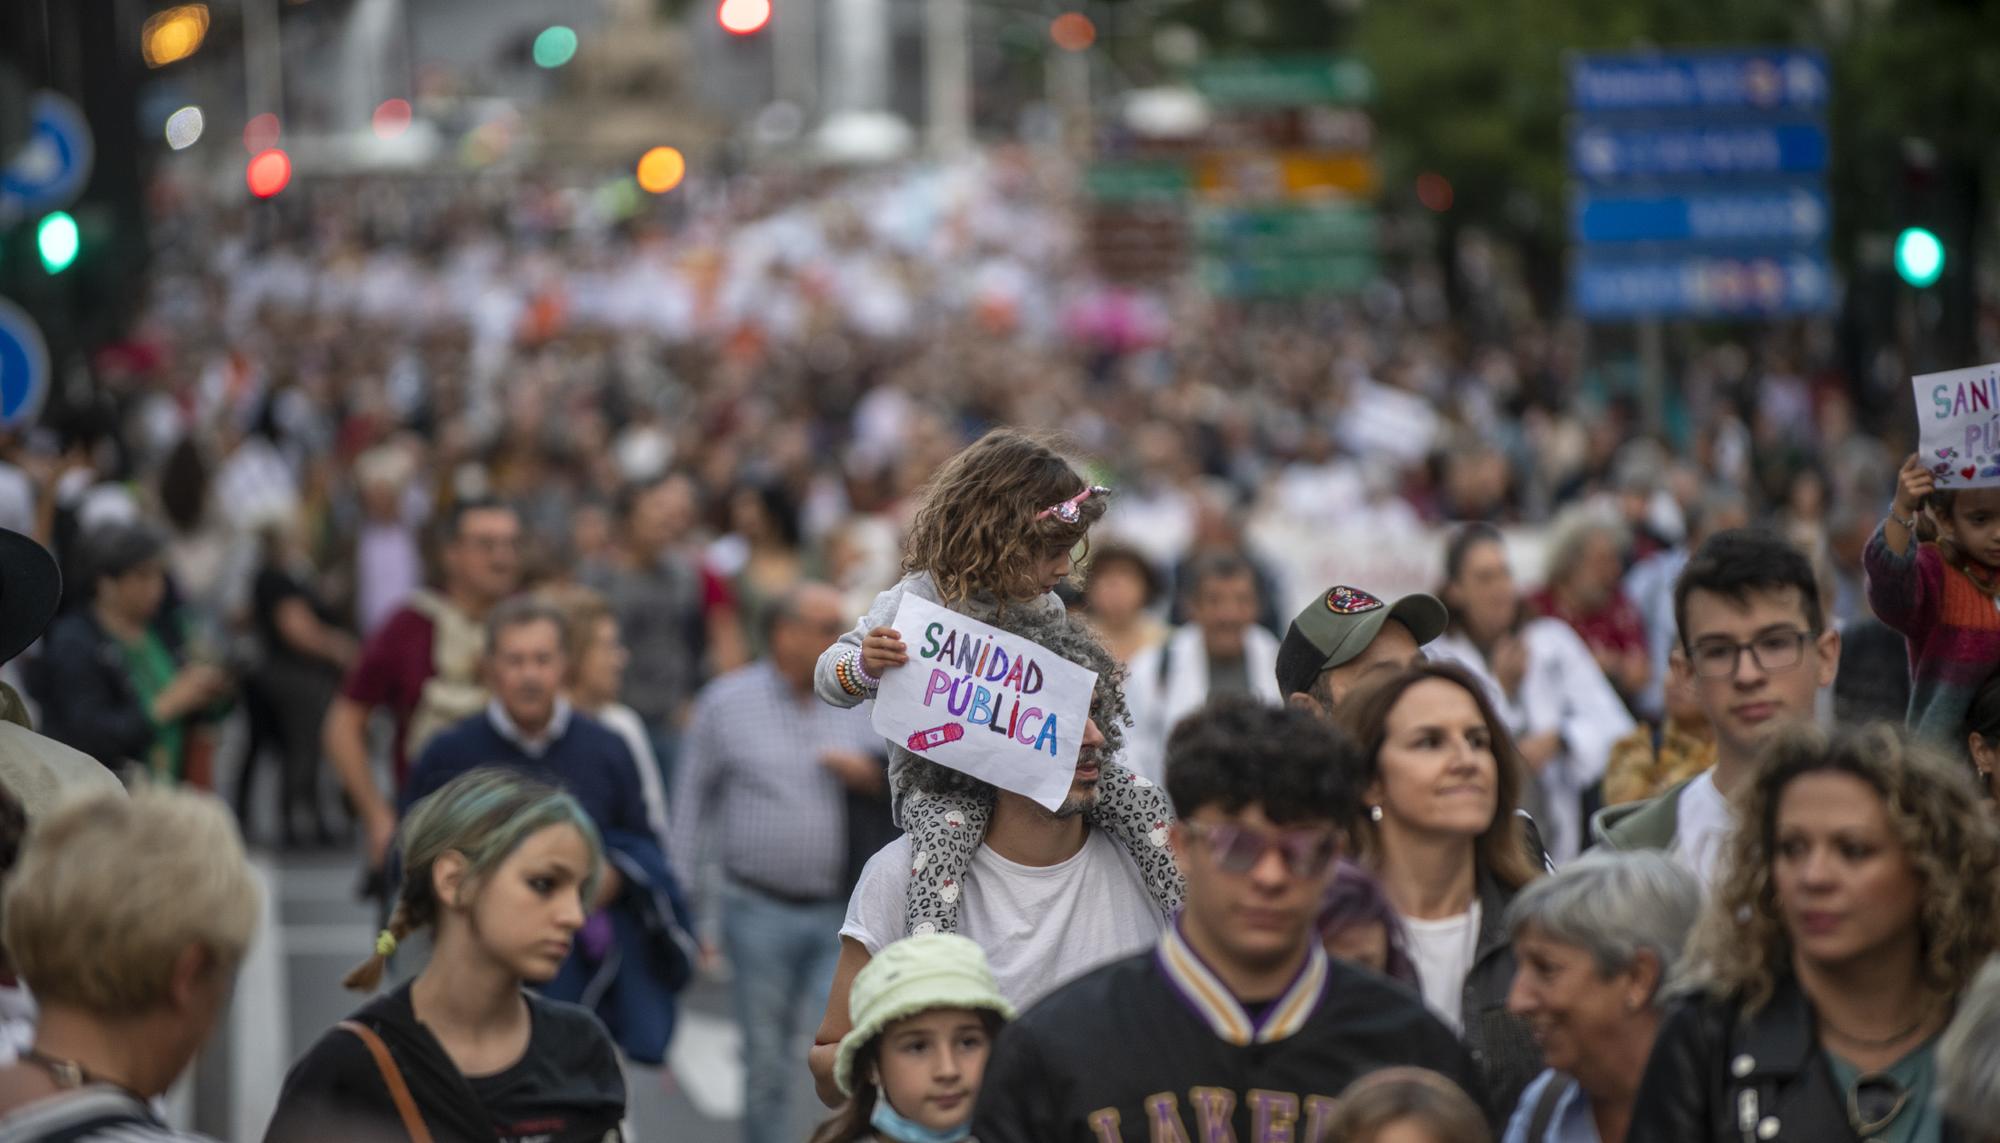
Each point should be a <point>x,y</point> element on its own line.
<point>976,529</point>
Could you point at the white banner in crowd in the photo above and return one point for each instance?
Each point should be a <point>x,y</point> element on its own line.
<point>996,706</point>
<point>1958,421</point>
<point>1388,561</point>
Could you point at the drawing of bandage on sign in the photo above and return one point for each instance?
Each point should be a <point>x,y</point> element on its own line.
<point>985,702</point>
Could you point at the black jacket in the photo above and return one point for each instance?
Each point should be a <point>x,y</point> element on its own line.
<point>1720,1077</point>
<point>567,1088</point>
<point>88,700</point>
<point>1502,1044</point>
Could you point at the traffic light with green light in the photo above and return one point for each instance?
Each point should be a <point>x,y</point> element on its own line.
<point>1919,256</point>
<point>57,240</point>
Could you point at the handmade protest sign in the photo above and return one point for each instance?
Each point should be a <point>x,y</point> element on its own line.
<point>1958,421</point>
<point>1005,710</point>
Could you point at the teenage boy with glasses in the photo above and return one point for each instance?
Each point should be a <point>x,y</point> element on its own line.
<point>1755,643</point>
<point>1237,1025</point>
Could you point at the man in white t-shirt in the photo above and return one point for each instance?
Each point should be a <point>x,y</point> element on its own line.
<point>1755,643</point>
<point>1047,897</point>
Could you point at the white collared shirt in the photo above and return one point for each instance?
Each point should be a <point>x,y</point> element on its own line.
<point>538,745</point>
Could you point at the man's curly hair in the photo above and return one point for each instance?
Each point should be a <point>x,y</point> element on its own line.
<point>1062,635</point>
<point>1741,946</point>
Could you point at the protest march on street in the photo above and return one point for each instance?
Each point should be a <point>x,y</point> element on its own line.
<point>1011,571</point>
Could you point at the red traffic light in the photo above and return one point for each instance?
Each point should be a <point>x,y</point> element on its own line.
<point>743,17</point>
<point>269,173</point>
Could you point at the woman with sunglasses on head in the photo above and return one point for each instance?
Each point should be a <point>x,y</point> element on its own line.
<point>1860,898</point>
<point>1439,829</point>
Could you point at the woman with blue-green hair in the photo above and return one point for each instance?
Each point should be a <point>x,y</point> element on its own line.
<point>499,868</point>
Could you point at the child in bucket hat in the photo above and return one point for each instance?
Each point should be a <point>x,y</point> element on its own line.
<point>925,1011</point>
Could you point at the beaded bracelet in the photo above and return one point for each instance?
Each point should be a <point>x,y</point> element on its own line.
<point>847,671</point>
<point>844,677</point>
<point>869,680</point>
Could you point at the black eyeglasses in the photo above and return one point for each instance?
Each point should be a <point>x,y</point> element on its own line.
<point>1874,1102</point>
<point>1237,849</point>
<point>1773,651</point>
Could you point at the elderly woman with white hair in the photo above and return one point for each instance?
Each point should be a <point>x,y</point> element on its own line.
<point>1969,1060</point>
<point>1594,944</point>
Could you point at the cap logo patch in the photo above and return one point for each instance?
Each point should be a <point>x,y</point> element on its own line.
<point>1350,601</point>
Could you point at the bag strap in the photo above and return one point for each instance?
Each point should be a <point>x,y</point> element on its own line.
<point>399,1091</point>
<point>1545,1107</point>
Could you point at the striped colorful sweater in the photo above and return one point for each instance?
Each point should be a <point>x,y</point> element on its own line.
<point>1952,627</point>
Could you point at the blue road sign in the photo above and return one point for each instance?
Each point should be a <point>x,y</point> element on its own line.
<point>1787,215</point>
<point>52,167</point>
<point>1778,80</point>
<point>1702,285</point>
<point>24,366</point>
<point>1602,153</point>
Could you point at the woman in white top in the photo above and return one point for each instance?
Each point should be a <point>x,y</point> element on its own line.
<point>1543,680</point>
<point>597,659</point>
<point>1440,831</point>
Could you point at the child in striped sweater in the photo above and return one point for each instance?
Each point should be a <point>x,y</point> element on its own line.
<point>1943,594</point>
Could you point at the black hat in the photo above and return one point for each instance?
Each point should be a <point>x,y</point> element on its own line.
<point>30,589</point>
<point>1340,624</point>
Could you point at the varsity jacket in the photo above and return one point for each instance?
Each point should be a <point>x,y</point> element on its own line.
<point>1156,1047</point>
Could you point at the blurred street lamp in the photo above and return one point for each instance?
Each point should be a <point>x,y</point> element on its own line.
<point>391,118</point>
<point>173,35</point>
<point>261,133</point>
<point>661,170</point>
<point>743,17</point>
<point>184,128</point>
<point>555,46</point>
<point>1073,31</point>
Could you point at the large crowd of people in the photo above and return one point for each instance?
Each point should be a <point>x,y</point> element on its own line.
<point>1463,761</point>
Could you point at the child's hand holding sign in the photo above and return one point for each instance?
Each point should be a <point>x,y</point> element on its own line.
<point>882,649</point>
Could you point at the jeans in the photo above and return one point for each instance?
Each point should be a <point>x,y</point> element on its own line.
<point>782,958</point>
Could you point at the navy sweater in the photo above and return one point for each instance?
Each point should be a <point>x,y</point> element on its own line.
<point>589,761</point>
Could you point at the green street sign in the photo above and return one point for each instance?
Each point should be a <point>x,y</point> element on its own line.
<point>1288,276</point>
<point>1138,180</point>
<point>1287,81</point>
<point>1278,229</point>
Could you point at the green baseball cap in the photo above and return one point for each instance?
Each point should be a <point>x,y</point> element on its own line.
<point>1340,624</point>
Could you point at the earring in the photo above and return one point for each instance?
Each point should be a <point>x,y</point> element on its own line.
<point>1374,813</point>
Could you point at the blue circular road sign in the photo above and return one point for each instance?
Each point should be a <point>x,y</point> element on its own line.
<point>52,167</point>
<point>24,366</point>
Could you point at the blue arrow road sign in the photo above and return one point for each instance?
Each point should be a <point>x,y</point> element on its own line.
<point>52,167</point>
<point>1702,285</point>
<point>1603,153</point>
<point>1794,215</point>
<point>1763,81</point>
<point>24,366</point>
